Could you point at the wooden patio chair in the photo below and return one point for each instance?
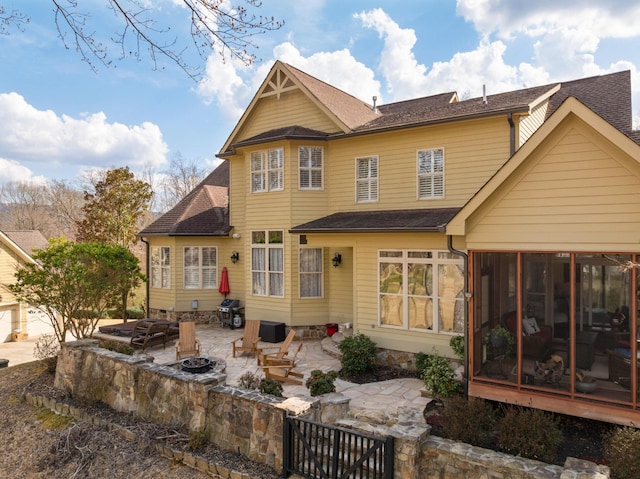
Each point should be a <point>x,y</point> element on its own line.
<point>285,361</point>
<point>283,373</point>
<point>187,345</point>
<point>275,357</point>
<point>250,338</point>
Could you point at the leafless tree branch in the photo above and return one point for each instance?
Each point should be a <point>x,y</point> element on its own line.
<point>216,27</point>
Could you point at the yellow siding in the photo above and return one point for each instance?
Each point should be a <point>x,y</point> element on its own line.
<point>9,264</point>
<point>357,277</point>
<point>292,108</point>
<point>529,124</point>
<point>473,152</point>
<point>576,192</point>
<point>163,298</point>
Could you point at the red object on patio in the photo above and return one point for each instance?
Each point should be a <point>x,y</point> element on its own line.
<point>224,283</point>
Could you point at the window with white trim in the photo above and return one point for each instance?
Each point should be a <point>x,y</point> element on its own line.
<point>421,291</point>
<point>160,267</point>
<point>267,263</point>
<point>311,262</point>
<point>310,163</point>
<point>431,173</point>
<point>267,170</point>
<point>200,267</point>
<point>366,179</point>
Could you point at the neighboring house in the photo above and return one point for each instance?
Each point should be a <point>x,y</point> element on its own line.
<point>428,218</point>
<point>16,248</point>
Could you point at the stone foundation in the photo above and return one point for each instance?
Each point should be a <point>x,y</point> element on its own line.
<point>200,317</point>
<point>251,423</point>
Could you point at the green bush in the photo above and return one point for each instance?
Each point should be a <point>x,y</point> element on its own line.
<point>135,313</point>
<point>358,355</point>
<point>457,344</point>
<point>422,361</point>
<point>269,386</point>
<point>622,452</point>
<point>118,347</point>
<point>531,433</point>
<point>471,420</point>
<point>439,376</point>
<point>321,383</point>
<point>249,380</point>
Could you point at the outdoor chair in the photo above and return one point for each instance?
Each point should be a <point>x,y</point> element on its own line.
<point>149,333</point>
<point>275,357</point>
<point>249,340</point>
<point>187,344</point>
<point>283,373</point>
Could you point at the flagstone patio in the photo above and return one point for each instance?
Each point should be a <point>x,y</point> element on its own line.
<point>385,402</point>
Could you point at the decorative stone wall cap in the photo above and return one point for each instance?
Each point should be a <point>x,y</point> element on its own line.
<point>298,405</point>
<point>334,398</point>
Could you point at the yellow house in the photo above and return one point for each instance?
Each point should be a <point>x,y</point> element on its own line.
<point>19,320</point>
<point>429,218</point>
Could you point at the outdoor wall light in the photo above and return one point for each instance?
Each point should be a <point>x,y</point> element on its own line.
<point>194,304</point>
<point>337,259</point>
<point>235,257</point>
<point>235,235</point>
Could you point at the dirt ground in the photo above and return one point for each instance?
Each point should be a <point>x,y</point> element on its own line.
<point>37,443</point>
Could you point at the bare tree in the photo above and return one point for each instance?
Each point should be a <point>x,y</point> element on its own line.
<point>182,176</point>
<point>216,26</point>
<point>51,208</point>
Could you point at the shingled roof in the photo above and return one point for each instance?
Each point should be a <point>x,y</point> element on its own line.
<point>347,108</point>
<point>395,221</point>
<point>203,212</point>
<point>27,240</point>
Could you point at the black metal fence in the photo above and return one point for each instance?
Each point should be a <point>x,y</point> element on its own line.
<point>315,450</point>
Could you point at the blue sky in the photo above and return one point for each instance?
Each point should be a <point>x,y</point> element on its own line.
<point>59,119</point>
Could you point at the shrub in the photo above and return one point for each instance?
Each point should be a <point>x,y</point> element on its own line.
<point>358,355</point>
<point>531,433</point>
<point>439,376</point>
<point>135,313</point>
<point>422,361</point>
<point>46,349</point>
<point>622,452</point>
<point>457,344</point>
<point>197,440</point>
<point>249,380</point>
<point>118,347</point>
<point>269,386</point>
<point>321,383</point>
<point>471,420</point>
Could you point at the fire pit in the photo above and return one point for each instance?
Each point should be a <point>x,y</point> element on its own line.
<point>197,365</point>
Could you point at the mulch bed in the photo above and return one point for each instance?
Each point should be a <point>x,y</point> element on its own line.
<point>582,437</point>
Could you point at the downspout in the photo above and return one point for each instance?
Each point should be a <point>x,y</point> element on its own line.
<point>465,259</point>
<point>146,267</point>
<point>512,135</point>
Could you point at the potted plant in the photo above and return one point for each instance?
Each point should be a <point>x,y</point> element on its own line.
<point>499,338</point>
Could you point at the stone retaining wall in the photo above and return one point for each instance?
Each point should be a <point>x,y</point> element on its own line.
<point>251,423</point>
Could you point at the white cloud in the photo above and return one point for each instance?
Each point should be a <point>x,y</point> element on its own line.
<point>340,69</point>
<point>231,84</point>
<point>11,170</point>
<point>590,19</point>
<point>31,135</point>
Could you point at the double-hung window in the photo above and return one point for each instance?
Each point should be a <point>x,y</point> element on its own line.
<point>161,267</point>
<point>267,263</point>
<point>431,173</point>
<point>421,290</point>
<point>311,272</point>
<point>267,170</point>
<point>200,267</point>
<point>310,161</point>
<point>366,179</point>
